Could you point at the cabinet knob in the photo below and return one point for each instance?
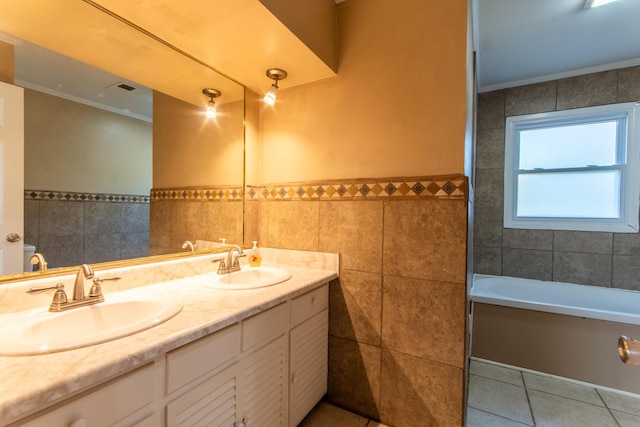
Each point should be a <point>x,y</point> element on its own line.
<point>294,378</point>
<point>80,422</point>
<point>314,300</point>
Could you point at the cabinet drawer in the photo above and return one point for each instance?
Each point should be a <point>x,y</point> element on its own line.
<point>264,326</point>
<point>105,405</point>
<point>309,304</point>
<point>192,361</point>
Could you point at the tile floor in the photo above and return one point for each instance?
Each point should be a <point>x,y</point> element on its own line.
<point>502,396</point>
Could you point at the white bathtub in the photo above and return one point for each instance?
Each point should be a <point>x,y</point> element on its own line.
<point>594,302</point>
<point>559,328</point>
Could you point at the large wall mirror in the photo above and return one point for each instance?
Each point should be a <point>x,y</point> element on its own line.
<point>120,159</point>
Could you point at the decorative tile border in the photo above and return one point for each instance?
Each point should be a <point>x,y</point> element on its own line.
<point>207,194</point>
<point>67,196</point>
<point>435,187</point>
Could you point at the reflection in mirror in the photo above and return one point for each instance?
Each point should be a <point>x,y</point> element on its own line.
<point>133,182</point>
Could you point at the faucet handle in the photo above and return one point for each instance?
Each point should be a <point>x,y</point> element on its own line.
<point>59,296</point>
<point>96,288</point>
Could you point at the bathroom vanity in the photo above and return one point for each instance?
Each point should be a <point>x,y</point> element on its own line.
<point>230,357</point>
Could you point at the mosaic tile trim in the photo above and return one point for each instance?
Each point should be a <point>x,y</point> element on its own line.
<point>84,197</point>
<point>208,194</point>
<point>436,187</point>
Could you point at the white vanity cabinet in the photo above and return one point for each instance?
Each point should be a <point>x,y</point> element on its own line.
<point>269,369</point>
<point>308,349</point>
<point>124,402</point>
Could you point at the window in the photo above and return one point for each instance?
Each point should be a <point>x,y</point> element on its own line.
<point>574,169</point>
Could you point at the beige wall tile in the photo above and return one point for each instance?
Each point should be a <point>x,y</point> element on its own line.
<point>588,90</point>
<point>426,239</point>
<point>629,84</point>
<point>420,393</point>
<point>353,229</point>
<point>356,307</point>
<point>354,376</point>
<point>491,110</point>
<point>424,319</point>
<point>293,225</point>
<point>537,98</point>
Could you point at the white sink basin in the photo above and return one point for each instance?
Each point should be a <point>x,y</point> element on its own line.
<point>251,278</point>
<point>40,331</point>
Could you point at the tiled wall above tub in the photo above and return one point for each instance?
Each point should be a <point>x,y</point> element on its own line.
<point>591,258</point>
<point>75,228</point>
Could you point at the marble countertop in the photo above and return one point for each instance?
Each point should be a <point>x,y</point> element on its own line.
<point>32,383</point>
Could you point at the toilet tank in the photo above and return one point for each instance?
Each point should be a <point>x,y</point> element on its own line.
<point>29,250</point>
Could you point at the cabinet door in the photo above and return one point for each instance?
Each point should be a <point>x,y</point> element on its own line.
<point>120,402</point>
<point>308,365</point>
<point>263,392</point>
<point>211,403</point>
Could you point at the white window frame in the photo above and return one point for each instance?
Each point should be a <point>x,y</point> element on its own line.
<point>630,169</point>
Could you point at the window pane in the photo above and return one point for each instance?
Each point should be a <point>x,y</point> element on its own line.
<point>569,146</point>
<point>593,194</point>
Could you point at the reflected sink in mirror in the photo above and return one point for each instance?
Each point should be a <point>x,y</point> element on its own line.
<point>251,278</point>
<point>40,331</point>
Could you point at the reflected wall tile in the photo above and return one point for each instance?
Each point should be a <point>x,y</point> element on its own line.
<point>530,99</point>
<point>588,90</point>
<point>135,217</point>
<point>134,245</point>
<point>61,218</point>
<point>31,209</point>
<point>355,307</point>
<point>252,222</point>
<point>353,229</point>
<point>61,251</point>
<point>527,239</point>
<point>101,248</point>
<point>424,319</point>
<point>527,263</point>
<point>426,239</point>
<point>354,376</point>
<point>583,241</point>
<point>585,269</point>
<point>420,393</point>
<point>102,217</point>
<point>294,225</point>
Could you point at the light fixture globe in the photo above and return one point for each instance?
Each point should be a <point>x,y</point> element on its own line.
<point>211,107</point>
<point>274,74</point>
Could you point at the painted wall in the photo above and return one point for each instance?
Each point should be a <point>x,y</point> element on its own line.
<point>395,107</point>
<point>589,258</point>
<point>75,147</point>
<point>190,150</point>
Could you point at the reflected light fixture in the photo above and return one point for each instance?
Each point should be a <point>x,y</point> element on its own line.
<point>211,106</point>
<point>274,74</point>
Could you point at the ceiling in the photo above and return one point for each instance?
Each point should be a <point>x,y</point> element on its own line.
<point>521,42</point>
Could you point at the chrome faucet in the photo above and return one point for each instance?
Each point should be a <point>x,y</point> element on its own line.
<point>38,258</point>
<point>60,301</point>
<point>231,263</point>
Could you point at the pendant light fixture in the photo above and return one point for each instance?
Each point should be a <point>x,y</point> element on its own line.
<point>211,106</point>
<point>274,74</point>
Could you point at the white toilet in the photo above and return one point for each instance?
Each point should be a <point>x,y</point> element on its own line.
<point>29,250</point>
